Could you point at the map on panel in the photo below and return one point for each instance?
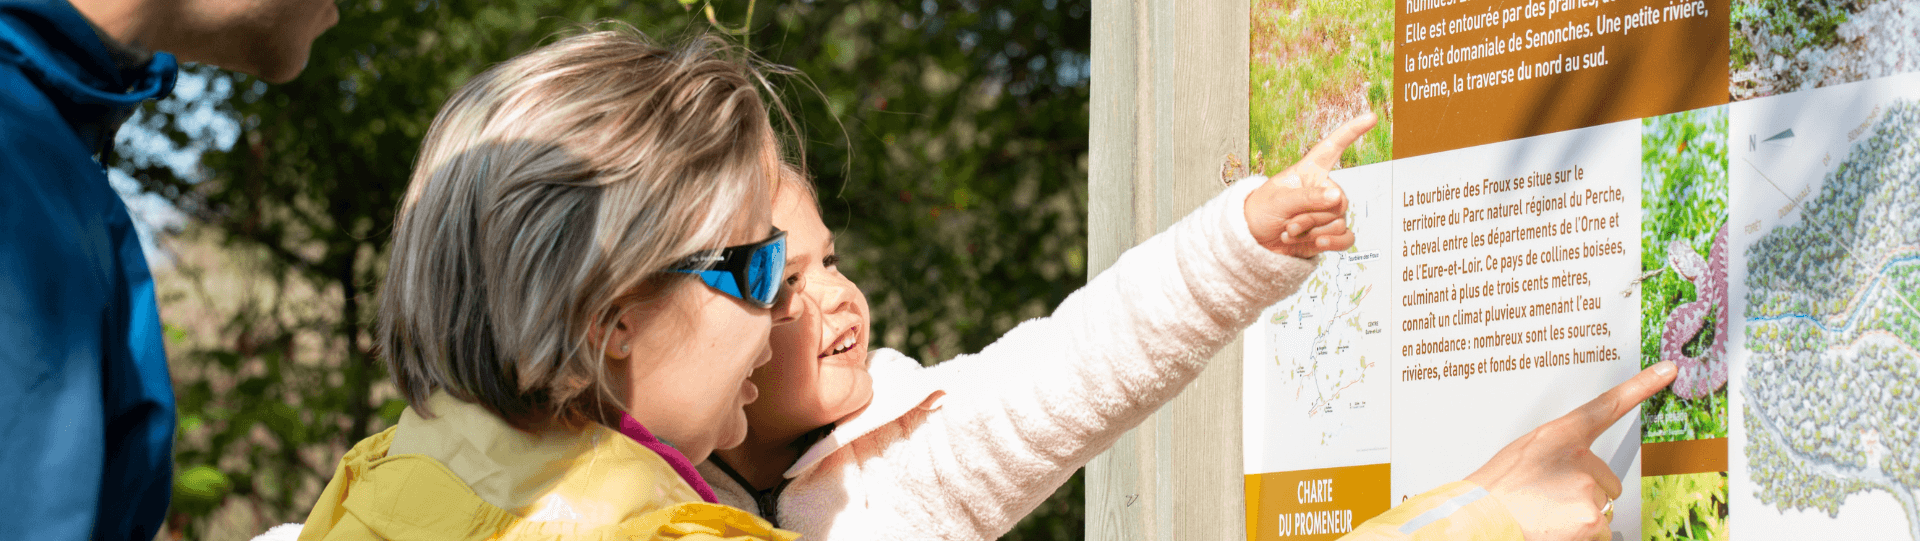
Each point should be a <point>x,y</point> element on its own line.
<point>1327,370</point>
<point>1832,408</point>
<point>1326,319</point>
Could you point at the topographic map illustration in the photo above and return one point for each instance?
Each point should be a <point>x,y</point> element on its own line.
<point>1325,317</point>
<point>1329,389</point>
<point>1323,363</point>
<point>1832,329</point>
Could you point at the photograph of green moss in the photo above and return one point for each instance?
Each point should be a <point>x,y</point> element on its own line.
<point>1315,64</point>
<point>1781,46</point>
<point>1685,506</point>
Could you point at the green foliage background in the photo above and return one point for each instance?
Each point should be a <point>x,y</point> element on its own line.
<point>948,138</point>
<point>1314,64</point>
<point>1686,506</point>
<point>1683,195</point>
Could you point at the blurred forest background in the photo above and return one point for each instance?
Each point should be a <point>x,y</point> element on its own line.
<point>948,137</point>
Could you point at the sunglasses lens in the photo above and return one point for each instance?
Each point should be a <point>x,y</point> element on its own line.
<point>756,279</point>
<point>764,269</point>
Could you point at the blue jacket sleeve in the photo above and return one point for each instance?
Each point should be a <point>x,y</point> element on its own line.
<point>86,405</point>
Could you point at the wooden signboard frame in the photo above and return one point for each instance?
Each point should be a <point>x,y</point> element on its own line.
<point>1169,121</point>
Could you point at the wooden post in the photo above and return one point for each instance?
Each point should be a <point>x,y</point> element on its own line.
<point>1169,106</point>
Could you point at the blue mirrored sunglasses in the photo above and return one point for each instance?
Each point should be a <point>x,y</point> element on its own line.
<point>750,272</point>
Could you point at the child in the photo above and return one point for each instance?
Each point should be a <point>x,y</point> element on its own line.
<point>851,444</point>
<point>964,449</point>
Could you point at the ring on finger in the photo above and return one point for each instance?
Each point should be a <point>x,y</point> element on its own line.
<point>1606,510</point>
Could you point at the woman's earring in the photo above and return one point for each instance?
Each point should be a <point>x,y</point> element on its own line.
<point>623,348</point>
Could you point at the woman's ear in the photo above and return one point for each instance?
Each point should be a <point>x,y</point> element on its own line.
<point>632,314</point>
<point>616,340</point>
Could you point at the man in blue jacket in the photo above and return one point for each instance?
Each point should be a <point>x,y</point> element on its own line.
<point>86,404</point>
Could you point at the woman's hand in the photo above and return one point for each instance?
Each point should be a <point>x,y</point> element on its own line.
<point>1300,212</point>
<point>1552,482</point>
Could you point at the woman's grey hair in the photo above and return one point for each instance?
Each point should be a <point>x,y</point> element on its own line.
<point>553,188</point>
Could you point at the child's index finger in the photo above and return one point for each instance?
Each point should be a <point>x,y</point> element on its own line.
<point>1326,154</point>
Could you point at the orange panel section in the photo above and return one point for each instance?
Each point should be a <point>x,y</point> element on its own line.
<point>1687,456</point>
<point>1472,73</point>
<point>1321,504</point>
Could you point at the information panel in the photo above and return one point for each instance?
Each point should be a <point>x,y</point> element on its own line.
<point>1562,192</point>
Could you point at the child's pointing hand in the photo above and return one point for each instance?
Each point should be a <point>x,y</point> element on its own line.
<point>1301,212</point>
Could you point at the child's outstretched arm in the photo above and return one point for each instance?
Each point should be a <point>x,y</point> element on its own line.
<point>1020,416</point>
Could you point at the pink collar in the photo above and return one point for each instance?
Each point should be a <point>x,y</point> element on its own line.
<point>632,429</point>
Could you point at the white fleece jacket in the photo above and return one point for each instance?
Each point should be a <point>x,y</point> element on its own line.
<point>964,449</point>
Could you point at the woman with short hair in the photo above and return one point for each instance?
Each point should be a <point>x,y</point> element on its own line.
<point>583,275</point>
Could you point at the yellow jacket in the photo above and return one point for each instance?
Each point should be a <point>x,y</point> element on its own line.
<point>467,475</point>
<point>1455,511</point>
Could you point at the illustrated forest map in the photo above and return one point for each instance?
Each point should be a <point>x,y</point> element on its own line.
<point>1831,403</point>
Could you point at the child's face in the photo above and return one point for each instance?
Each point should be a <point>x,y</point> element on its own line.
<point>819,370</point>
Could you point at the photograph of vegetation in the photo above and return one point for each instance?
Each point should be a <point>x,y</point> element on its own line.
<point>1685,506</point>
<point>1315,64</point>
<point>1780,46</point>
<point>1683,308</point>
